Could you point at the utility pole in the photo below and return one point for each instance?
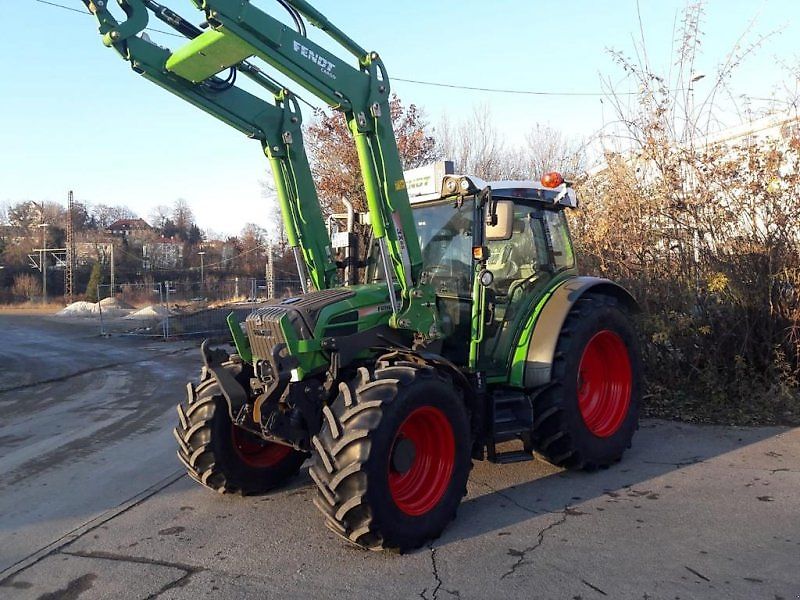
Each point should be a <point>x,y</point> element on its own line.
<point>42,258</point>
<point>202,253</point>
<point>69,281</point>
<point>270,274</point>
<point>112,269</point>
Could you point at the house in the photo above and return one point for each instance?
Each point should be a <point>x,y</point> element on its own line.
<point>162,253</point>
<point>132,228</point>
<point>87,252</point>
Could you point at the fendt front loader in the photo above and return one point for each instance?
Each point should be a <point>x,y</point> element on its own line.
<point>471,329</point>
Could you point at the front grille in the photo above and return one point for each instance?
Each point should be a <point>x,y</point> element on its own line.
<point>264,330</point>
<point>263,324</point>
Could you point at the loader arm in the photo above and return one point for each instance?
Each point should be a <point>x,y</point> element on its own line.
<point>278,126</point>
<point>361,92</point>
<point>239,31</point>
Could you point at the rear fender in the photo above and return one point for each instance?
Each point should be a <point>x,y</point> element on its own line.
<point>538,351</point>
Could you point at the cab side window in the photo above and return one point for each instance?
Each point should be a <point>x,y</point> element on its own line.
<point>523,256</point>
<point>557,233</point>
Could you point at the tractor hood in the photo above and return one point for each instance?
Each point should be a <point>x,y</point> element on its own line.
<point>302,322</point>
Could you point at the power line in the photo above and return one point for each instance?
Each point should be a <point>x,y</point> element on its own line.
<point>405,80</point>
<point>82,12</point>
<point>501,90</point>
<point>62,6</point>
<point>415,81</point>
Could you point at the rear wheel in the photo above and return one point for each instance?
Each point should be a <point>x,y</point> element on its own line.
<point>587,417</point>
<point>223,456</point>
<point>393,457</point>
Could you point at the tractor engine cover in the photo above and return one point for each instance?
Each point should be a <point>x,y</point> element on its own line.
<point>263,325</point>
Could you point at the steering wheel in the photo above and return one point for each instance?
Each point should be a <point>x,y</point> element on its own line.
<point>449,271</point>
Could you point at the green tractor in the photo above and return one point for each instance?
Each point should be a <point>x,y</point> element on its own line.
<point>472,336</point>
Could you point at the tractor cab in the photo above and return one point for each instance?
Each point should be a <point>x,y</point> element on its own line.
<point>527,253</point>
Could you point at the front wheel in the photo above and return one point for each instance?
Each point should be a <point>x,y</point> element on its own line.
<point>223,456</point>
<point>587,417</point>
<point>393,457</point>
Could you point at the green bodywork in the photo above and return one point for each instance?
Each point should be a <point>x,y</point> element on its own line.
<point>367,309</point>
<point>515,374</point>
<point>208,54</point>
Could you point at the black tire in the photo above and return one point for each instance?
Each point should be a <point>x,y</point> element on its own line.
<point>356,446</point>
<point>207,445</point>
<point>561,433</point>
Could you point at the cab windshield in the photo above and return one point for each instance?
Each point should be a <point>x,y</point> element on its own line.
<point>445,237</point>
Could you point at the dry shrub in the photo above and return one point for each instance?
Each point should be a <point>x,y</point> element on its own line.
<point>705,234</point>
<point>709,243</point>
<point>26,286</point>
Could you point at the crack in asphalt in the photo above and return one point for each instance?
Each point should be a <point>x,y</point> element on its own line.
<point>677,464</point>
<point>437,577</point>
<point>61,378</point>
<point>521,555</point>
<point>594,587</point>
<point>697,573</point>
<point>188,570</point>
<point>435,571</point>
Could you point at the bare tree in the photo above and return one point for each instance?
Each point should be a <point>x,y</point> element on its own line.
<point>476,148</point>
<point>182,216</point>
<point>26,286</point>
<point>252,246</point>
<point>159,215</point>
<point>4,208</point>
<point>334,161</point>
<point>275,231</point>
<point>104,215</point>
<point>550,150</point>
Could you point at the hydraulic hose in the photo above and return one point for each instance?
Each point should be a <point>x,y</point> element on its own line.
<point>173,19</point>
<point>298,20</point>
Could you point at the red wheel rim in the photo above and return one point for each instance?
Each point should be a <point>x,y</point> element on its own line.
<point>604,383</point>
<point>420,488</point>
<point>255,452</point>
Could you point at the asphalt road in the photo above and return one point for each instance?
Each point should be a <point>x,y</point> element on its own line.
<point>93,504</point>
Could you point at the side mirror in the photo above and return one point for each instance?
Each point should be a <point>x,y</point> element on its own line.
<point>499,226</point>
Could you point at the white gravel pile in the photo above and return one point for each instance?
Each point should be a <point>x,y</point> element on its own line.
<point>111,308</point>
<point>148,312</point>
<point>78,309</point>
<point>108,303</point>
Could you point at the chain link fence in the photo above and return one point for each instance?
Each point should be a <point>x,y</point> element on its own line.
<point>175,309</point>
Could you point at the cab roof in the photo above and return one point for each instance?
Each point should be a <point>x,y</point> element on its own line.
<point>437,181</point>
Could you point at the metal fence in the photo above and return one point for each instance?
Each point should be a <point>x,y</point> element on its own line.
<point>173,309</point>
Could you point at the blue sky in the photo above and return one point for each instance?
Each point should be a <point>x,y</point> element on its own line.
<point>74,116</point>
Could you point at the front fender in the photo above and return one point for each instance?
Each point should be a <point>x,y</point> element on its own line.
<point>537,352</point>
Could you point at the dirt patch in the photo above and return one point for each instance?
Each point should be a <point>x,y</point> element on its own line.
<point>30,309</point>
